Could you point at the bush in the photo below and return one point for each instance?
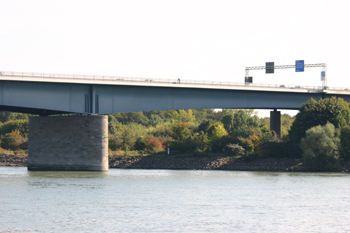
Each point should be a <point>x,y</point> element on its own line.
<point>272,150</point>
<point>236,149</point>
<point>10,126</point>
<point>14,141</point>
<point>320,148</point>
<point>153,145</point>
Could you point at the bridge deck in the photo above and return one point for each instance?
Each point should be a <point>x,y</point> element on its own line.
<point>152,82</point>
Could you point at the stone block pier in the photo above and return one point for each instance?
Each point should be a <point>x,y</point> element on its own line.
<point>68,143</point>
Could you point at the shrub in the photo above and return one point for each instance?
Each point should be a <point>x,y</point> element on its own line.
<point>14,141</point>
<point>10,126</point>
<point>236,149</point>
<point>153,145</point>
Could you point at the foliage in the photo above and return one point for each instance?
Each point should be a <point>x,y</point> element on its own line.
<point>198,142</point>
<point>153,145</point>
<point>320,147</point>
<point>218,137</point>
<point>246,143</point>
<point>14,141</point>
<point>10,116</point>
<point>10,126</point>
<point>184,131</point>
<point>345,142</point>
<point>204,125</point>
<point>236,149</point>
<point>180,132</point>
<point>243,122</point>
<point>286,124</point>
<point>140,144</point>
<point>313,113</point>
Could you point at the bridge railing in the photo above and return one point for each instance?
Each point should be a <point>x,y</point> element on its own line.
<point>165,81</point>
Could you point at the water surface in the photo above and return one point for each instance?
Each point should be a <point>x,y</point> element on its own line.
<point>173,201</point>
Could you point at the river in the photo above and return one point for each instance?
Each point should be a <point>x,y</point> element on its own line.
<point>173,201</point>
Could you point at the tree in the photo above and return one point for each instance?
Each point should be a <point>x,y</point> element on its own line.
<point>217,136</point>
<point>10,126</point>
<point>313,113</point>
<point>204,126</point>
<point>345,142</point>
<point>320,147</point>
<point>180,135</point>
<point>228,122</point>
<point>180,132</point>
<point>243,122</point>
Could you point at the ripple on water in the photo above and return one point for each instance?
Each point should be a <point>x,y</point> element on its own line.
<point>173,201</point>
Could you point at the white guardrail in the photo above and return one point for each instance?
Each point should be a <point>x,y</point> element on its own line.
<point>165,81</point>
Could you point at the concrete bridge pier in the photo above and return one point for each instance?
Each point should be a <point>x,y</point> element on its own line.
<point>68,143</point>
<point>275,122</point>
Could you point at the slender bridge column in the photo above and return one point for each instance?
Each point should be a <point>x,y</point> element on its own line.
<point>275,122</point>
<point>68,143</point>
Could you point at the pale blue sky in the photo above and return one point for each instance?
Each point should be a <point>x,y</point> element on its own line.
<point>187,39</point>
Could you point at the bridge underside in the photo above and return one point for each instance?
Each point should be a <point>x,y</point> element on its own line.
<point>34,111</point>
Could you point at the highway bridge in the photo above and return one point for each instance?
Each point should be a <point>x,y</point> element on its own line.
<point>88,95</point>
<point>47,94</point>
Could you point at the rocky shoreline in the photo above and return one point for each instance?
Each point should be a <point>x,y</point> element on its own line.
<point>189,163</point>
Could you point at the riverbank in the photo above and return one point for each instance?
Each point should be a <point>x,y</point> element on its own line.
<point>190,163</point>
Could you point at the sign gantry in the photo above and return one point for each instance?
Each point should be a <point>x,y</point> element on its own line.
<point>299,67</point>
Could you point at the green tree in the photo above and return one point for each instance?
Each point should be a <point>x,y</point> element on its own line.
<point>286,124</point>
<point>228,121</point>
<point>345,142</point>
<point>243,123</point>
<point>200,115</point>
<point>217,137</point>
<point>10,126</point>
<point>320,147</point>
<point>204,126</point>
<point>140,144</point>
<point>199,142</point>
<point>313,113</point>
<point>180,132</point>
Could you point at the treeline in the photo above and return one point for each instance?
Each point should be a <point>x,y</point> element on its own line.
<point>194,132</point>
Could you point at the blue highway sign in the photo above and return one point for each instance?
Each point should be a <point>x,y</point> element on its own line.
<point>299,66</point>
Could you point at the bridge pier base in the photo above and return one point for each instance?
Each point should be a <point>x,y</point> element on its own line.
<point>68,143</point>
<point>275,122</point>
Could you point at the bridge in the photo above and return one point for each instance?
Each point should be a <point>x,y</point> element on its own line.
<point>54,141</point>
<point>47,94</point>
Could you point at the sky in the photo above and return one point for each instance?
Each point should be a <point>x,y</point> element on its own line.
<point>186,39</point>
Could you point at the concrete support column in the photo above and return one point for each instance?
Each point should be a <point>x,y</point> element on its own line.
<point>275,122</point>
<point>68,143</point>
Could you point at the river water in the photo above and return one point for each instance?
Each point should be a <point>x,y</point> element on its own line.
<point>173,201</point>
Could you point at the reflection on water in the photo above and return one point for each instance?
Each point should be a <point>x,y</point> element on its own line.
<point>173,201</point>
<point>69,174</point>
